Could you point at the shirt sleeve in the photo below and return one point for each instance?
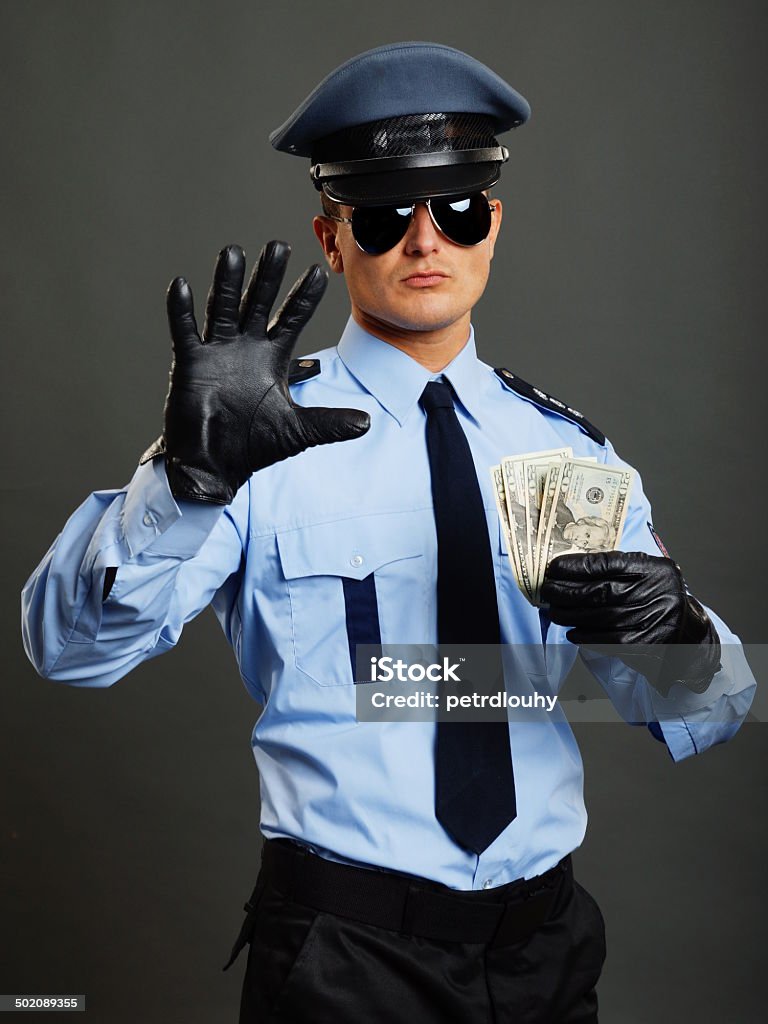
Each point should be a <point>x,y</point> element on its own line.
<point>688,723</point>
<point>168,559</point>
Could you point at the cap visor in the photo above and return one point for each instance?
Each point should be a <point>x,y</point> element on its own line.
<point>417,183</point>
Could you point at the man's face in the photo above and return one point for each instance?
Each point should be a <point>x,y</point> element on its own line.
<point>425,283</point>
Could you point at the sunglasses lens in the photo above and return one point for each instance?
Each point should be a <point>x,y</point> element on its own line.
<point>377,229</point>
<point>465,221</point>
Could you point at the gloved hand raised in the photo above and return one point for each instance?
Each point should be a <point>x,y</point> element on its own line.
<point>229,412</point>
<point>630,598</point>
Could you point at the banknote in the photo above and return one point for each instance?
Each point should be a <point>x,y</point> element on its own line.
<point>513,532</point>
<point>584,510</point>
<point>549,489</point>
<point>514,483</point>
<point>524,477</point>
<point>550,503</point>
<point>523,505</point>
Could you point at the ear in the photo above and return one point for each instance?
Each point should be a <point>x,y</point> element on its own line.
<point>495,225</point>
<point>326,231</point>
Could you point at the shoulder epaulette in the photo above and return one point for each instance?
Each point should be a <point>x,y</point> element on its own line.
<point>548,402</point>
<point>303,369</point>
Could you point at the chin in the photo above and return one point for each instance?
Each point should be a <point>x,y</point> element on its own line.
<point>425,326</point>
<point>425,319</point>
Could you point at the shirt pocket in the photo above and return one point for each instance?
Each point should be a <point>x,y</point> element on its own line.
<point>360,581</point>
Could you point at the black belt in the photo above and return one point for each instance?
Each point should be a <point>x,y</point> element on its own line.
<point>406,903</point>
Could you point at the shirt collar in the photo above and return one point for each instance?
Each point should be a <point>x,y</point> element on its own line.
<point>396,380</point>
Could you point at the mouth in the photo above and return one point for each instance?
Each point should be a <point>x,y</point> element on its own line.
<point>425,278</point>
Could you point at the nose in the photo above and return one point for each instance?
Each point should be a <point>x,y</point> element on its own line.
<point>422,236</point>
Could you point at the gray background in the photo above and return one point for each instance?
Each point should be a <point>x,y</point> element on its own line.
<point>629,281</point>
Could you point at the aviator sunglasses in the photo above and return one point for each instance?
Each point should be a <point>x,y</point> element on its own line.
<point>465,220</point>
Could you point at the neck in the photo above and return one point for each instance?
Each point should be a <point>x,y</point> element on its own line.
<point>432,349</point>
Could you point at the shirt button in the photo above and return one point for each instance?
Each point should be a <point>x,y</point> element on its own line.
<point>356,561</point>
<point>488,883</point>
<point>149,519</point>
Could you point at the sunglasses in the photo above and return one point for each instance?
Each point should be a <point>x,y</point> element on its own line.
<point>465,220</point>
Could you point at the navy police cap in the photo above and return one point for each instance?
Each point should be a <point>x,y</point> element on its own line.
<point>404,121</point>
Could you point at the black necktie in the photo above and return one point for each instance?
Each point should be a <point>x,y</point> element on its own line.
<point>474,784</point>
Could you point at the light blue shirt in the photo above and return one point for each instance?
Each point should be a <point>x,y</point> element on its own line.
<point>272,565</point>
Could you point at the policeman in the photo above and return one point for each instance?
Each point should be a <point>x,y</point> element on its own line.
<point>412,871</point>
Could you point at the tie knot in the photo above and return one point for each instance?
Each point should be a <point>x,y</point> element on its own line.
<point>436,395</point>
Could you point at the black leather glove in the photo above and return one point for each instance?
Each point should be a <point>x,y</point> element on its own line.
<point>229,411</point>
<point>630,598</point>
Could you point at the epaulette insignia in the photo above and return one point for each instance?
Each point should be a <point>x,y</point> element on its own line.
<point>303,369</point>
<point>541,398</point>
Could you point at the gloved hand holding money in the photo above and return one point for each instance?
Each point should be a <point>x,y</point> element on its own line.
<point>563,519</point>
<point>640,603</point>
<point>551,503</point>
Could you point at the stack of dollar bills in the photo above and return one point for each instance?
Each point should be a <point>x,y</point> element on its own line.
<point>552,504</point>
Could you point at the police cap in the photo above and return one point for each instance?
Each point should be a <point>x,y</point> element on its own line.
<point>404,121</point>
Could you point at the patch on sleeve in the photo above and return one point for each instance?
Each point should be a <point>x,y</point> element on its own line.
<point>659,541</point>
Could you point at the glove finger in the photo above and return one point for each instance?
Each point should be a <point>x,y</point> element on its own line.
<point>181,316</point>
<point>223,307</point>
<point>606,641</point>
<point>576,615</point>
<point>599,593</point>
<point>300,303</point>
<point>324,426</point>
<point>589,565</point>
<point>263,287</point>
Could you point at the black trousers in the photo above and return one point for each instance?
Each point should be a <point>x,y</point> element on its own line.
<point>313,966</point>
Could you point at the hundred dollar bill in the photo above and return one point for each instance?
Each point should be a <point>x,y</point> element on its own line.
<point>513,532</point>
<point>586,507</point>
